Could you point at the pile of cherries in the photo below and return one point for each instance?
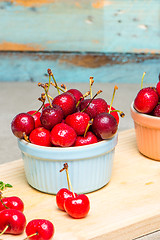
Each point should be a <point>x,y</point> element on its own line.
<point>13,220</point>
<point>148,99</point>
<point>68,119</point>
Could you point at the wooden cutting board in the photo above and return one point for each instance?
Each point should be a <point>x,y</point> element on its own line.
<point>128,207</point>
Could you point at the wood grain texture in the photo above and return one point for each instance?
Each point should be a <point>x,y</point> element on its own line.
<point>93,26</point>
<point>124,209</point>
<point>70,67</point>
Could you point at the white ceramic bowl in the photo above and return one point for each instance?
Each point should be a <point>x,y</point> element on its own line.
<point>89,166</point>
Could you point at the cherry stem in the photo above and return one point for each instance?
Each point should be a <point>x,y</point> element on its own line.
<point>89,124</point>
<point>85,95</point>
<point>34,234</point>
<point>4,204</point>
<point>142,80</point>
<point>91,81</point>
<point>47,96</point>
<point>115,88</point>
<point>122,114</point>
<point>38,109</point>
<point>64,87</point>
<point>56,86</point>
<point>4,230</point>
<point>65,167</point>
<point>91,100</point>
<point>26,138</point>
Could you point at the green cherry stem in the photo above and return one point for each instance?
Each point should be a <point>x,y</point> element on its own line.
<point>115,88</point>
<point>51,74</point>
<point>142,80</point>
<point>4,230</point>
<point>91,81</point>
<point>32,235</point>
<point>4,204</point>
<point>122,114</point>
<point>65,167</point>
<point>89,124</point>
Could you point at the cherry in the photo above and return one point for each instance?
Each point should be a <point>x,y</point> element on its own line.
<point>89,138</point>
<point>78,206</point>
<point>78,121</point>
<point>11,203</point>
<point>36,116</point>
<point>63,135</point>
<point>67,102</point>
<point>40,229</point>
<point>51,116</point>
<point>40,136</point>
<point>12,221</point>
<point>114,114</point>
<point>22,124</point>
<point>156,111</point>
<point>104,126</point>
<point>146,100</point>
<point>46,105</point>
<point>61,197</point>
<point>158,88</point>
<point>77,94</point>
<point>98,105</point>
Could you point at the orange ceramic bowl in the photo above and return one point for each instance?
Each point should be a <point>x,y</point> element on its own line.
<point>147,130</point>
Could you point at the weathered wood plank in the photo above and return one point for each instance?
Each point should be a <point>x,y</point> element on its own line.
<point>70,67</point>
<point>93,25</point>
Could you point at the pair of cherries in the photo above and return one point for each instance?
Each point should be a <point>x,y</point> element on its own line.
<point>13,220</point>
<point>77,206</point>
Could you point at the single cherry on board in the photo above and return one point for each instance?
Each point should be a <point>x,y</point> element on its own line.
<point>13,202</point>
<point>12,221</point>
<point>40,229</point>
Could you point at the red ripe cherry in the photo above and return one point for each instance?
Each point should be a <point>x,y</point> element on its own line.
<point>63,135</point>
<point>77,207</point>
<point>78,121</point>
<point>146,100</point>
<point>36,117</point>
<point>61,197</point>
<point>23,123</point>
<point>40,136</point>
<point>104,126</point>
<point>98,105</point>
<point>156,111</point>
<point>46,105</point>
<point>77,94</point>
<point>114,114</point>
<point>11,203</point>
<point>67,102</point>
<point>158,88</point>
<point>51,116</point>
<point>90,138</point>
<point>40,229</point>
<point>13,221</point>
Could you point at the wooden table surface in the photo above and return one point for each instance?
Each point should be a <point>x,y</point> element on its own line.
<point>126,208</point>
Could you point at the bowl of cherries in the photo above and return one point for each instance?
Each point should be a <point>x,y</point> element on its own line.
<point>145,111</point>
<point>71,127</point>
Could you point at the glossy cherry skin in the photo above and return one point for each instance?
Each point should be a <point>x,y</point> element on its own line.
<point>77,94</point>
<point>77,207</point>
<point>63,135</point>
<point>43,228</point>
<point>40,136</point>
<point>11,203</point>
<point>158,88</point>
<point>90,138</point>
<point>104,126</point>
<point>156,111</point>
<point>14,219</point>
<point>22,123</point>
<point>67,102</point>
<point>78,121</point>
<point>50,116</point>
<point>146,100</point>
<point>61,197</point>
<point>114,114</point>
<point>98,105</point>
<point>36,117</point>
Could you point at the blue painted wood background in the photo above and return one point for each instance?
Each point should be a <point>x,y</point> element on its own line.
<point>79,38</point>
